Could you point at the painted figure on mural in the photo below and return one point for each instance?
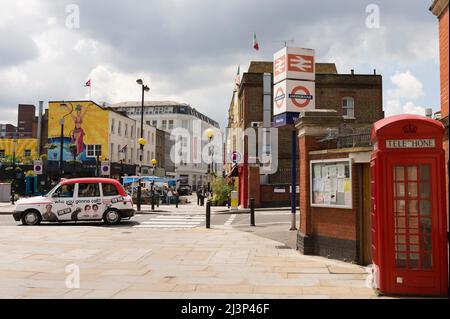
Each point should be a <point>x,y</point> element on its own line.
<point>78,134</point>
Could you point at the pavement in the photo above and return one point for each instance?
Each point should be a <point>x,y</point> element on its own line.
<point>170,254</point>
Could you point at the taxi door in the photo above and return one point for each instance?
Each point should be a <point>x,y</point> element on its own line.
<point>88,202</point>
<point>63,202</point>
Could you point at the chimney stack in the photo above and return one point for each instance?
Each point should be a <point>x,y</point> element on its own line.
<point>352,72</point>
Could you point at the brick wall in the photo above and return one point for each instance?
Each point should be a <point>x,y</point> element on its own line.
<point>365,89</point>
<point>443,55</point>
<point>272,199</point>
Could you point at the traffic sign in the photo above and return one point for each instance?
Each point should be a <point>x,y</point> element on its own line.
<point>105,168</point>
<point>38,167</point>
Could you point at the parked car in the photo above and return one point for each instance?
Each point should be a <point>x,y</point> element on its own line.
<point>184,190</point>
<point>78,199</point>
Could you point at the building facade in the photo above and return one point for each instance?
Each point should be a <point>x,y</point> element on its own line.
<point>440,9</point>
<point>93,133</point>
<point>356,98</point>
<point>169,116</point>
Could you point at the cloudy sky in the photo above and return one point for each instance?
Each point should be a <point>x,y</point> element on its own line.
<point>189,50</point>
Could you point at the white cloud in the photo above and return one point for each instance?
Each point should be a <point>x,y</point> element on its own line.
<point>406,86</point>
<point>395,107</point>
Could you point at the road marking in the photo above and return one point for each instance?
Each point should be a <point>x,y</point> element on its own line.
<point>174,221</point>
<point>230,220</point>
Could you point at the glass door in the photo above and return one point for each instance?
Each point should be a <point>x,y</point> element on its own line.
<point>412,215</point>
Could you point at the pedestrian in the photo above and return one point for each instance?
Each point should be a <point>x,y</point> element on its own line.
<point>199,191</point>
<point>202,197</point>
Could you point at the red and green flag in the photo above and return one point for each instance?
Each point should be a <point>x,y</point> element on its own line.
<point>255,42</point>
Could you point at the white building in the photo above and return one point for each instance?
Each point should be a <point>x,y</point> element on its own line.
<point>124,132</point>
<point>168,116</point>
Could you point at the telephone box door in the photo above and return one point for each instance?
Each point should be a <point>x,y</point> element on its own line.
<point>414,230</point>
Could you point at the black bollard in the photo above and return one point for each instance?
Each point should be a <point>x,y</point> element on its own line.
<point>208,214</point>
<point>177,199</point>
<point>152,199</point>
<point>252,211</point>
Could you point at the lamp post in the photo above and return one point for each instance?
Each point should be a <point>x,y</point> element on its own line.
<point>210,135</point>
<point>152,190</point>
<point>61,153</point>
<point>141,141</point>
<point>13,187</point>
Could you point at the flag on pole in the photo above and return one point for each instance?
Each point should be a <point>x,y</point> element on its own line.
<point>255,42</point>
<point>88,83</point>
<point>237,80</point>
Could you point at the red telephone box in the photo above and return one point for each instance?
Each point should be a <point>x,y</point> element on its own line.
<point>409,221</point>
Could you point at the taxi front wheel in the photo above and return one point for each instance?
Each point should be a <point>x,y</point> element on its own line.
<point>31,218</point>
<point>111,217</point>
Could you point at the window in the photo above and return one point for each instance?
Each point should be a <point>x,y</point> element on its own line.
<point>94,150</point>
<point>109,190</point>
<point>64,191</point>
<point>170,124</point>
<point>113,123</point>
<point>164,124</point>
<point>88,190</point>
<point>119,129</point>
<point>153,138</point>
<point>27,153</point>
<point>132,131</point>
<point>126,130</point>
<point>112,151</point>
<point>2,153</point>
<point>348,107</point>
<point>331,183</point>
<point>155,123</point>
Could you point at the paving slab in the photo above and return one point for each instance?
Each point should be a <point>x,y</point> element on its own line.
<point>162,263</point>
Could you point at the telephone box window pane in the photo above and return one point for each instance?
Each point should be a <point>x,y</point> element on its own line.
<point>412,190</point>
<point>414,240</point>
<point>413,223</point>
<point>399,190</point>
<point>425,225</point>
<point>399,173</point>
<point>425,208</point>
<point>401,223</point>
<point>425,190</point>
<point>401,247</point>
<point>424,172</point>
<point>414,261</point>
<point>400,260</point>
<point>413,207</point>
<point>414,248</point>
<point>400,207</point>
<point>427,261</point>
<point>412,173</point>
<point>425,243</point>
<point>401,239</point>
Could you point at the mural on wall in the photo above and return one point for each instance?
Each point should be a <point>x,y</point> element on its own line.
<point>86,125</point>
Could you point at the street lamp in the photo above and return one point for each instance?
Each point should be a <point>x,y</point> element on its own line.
<point>141,142</point>
<point>152,189</point>
<point>62,136</point>
<point>13,188</point>
<point>210,135</point>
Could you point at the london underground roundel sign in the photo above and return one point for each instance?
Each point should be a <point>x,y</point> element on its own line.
<point>300,96</point>
<point>279,97</point>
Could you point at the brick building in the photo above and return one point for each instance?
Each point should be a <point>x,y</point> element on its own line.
<point>440,9</point>
<point>27,121</point>
<point>356,99</point>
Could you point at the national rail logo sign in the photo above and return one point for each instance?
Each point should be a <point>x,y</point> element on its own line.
<point>294,64</point>
<point>293,96</point>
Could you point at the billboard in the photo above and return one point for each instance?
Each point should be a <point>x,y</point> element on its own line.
<point>293,96</point>
<point>294,64</point>
<point>86,127</point>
